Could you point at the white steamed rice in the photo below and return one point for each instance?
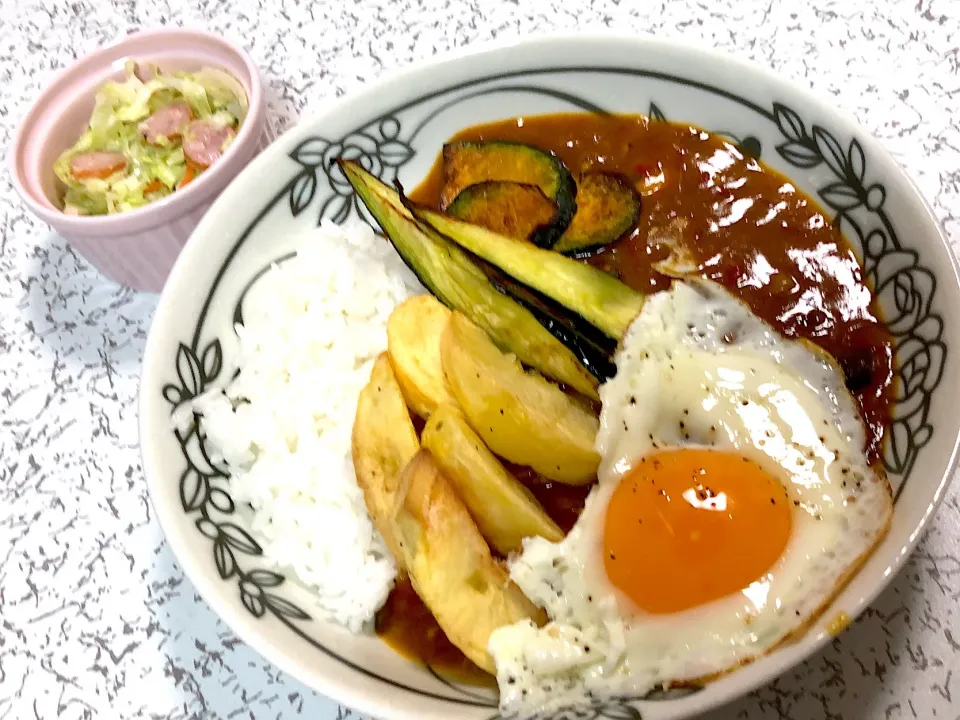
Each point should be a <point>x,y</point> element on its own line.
<point>311,330</point>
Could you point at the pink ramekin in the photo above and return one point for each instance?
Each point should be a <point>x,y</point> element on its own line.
<point>136,248</point>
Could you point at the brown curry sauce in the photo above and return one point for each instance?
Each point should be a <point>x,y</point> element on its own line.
<point>406,625</point>
<point>748,228</point>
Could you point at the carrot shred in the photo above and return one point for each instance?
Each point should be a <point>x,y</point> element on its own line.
<point>189,176</point>
<point>86,165</point>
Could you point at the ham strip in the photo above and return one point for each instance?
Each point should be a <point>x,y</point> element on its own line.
<point>97,164</point>
<point>203,143</point>
<point>166,123</point>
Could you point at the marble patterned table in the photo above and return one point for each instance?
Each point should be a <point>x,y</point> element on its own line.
<point>96,618</point>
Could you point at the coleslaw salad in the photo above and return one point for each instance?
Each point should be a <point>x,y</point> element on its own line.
<point>149,136</point>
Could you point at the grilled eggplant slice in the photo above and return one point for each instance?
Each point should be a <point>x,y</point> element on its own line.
<point>468,163</point>
<point>517,210</point>
<point>607,207</point>
<point>598,298</point>
<point>594,349</point>
<point>459,284</point>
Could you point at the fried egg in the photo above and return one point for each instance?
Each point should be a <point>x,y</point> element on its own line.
<point>734,501</point>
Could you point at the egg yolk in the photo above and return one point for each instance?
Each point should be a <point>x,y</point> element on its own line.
<point>688,526</point>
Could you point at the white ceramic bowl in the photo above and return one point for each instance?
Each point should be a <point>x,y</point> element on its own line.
<point>396,127</point>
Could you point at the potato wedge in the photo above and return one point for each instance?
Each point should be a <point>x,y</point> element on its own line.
<point>520,415</point>
<point>384,440</point>
<point>505,511</point>
<point>413,342</point>
<point>450,566</point>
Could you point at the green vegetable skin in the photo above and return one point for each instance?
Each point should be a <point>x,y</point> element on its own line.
<point>120,107</point>
<point>607,206</point>
<point>467,163</point>
<point>450,275</point>
<point>598,298</point>
<point>516,210</point>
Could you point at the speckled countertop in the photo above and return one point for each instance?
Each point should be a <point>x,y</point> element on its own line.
<point>96,618</point>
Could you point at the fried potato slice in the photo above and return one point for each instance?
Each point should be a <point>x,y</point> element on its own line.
<point>414,330</point>
<point>469,593</point>
<point>504,510</point>
<point>520,415</point>
<point>383,443</point>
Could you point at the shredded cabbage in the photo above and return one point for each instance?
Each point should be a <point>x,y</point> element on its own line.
<point>152,171</point>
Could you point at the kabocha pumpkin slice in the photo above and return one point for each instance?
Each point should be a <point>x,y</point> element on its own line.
<point>517,210</point>
<point>467,163</point>
<point>607,207</point>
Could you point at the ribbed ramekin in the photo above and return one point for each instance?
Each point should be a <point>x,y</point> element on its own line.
<point>136,248</point>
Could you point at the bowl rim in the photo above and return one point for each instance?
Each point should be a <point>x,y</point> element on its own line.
<point>160,211</point>
<point>382,705</point>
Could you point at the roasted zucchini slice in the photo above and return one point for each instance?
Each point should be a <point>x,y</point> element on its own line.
<point>459,284</point>
<point>517,210</point>
<point>602,300</point>
<point>468,163</point>
<point>607,207</point>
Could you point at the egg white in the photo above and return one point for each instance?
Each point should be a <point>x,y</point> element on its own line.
<point>698,368</point>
